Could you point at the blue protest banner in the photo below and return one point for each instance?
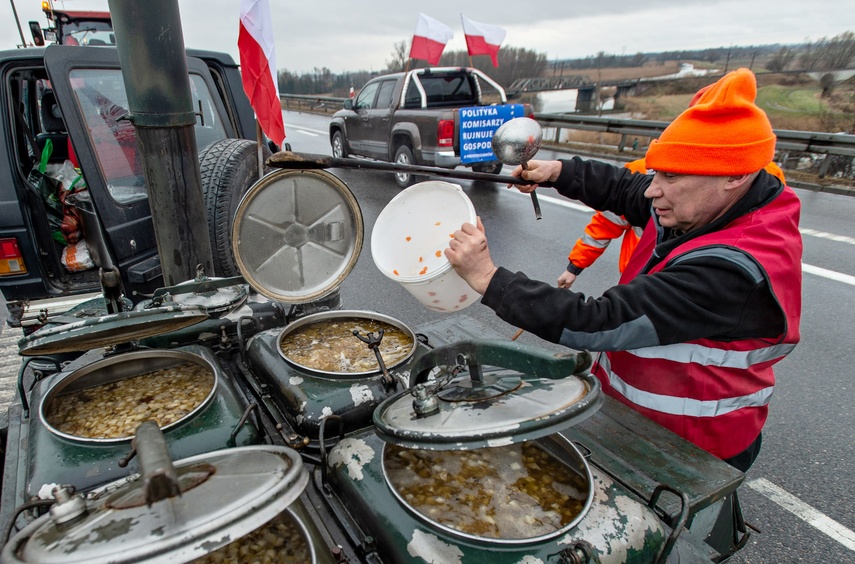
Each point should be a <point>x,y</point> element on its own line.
<point>477,126</point>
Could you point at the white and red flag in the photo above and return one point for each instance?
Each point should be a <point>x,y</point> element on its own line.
<point>430,39</point>
<point>483,39</point>
<point>258,67</point>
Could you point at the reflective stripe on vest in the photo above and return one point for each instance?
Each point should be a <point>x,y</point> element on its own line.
<point>673,405</point>
<point>692,353</point>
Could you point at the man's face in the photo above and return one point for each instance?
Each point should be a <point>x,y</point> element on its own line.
<point>685,202</point>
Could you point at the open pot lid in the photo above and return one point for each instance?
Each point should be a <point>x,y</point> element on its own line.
<point>109,330</point>
<point>229,493</point>
<point>297,235</point>
<point>488,394</point>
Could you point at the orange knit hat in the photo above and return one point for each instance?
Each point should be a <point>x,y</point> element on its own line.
<point>723,134</point>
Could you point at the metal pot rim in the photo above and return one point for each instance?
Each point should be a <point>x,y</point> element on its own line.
<point>200,356</point>
<point>344,314</point>
<point>570,449</point>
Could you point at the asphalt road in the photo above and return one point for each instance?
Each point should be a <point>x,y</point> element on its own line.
<point>808,455</point>
<point>799,492</point>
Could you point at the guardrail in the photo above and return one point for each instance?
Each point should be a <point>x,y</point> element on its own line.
<point>789,141</point>
<point>304,103</point>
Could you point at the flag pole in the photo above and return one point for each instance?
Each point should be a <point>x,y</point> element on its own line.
<point>259,148</point>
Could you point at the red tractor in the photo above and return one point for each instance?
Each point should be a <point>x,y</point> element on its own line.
<point>73,27</point>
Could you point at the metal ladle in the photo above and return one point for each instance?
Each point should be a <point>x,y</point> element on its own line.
<point>515,143</point>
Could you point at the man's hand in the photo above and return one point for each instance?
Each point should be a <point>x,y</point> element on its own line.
<point>566,279</point>
<point>536,172</point>
<point>469,254</point>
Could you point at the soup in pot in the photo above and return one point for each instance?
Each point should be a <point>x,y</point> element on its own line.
<point>331,346</point>
<point>114,410</point>
<point>512,492</point>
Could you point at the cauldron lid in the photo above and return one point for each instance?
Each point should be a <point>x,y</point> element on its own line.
<point>487,394</point>
<point>243,488</point>
<point>297,235</point>
<point>109,330</point>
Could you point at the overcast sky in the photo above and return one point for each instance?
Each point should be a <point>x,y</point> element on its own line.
<point>349,35</point>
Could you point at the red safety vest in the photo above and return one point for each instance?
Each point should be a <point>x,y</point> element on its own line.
<point>716,393</point>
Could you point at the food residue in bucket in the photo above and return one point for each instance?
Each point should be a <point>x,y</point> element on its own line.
<point>421,259</point>
<point>423,271</point>
<point>438,223</point>
<point>395,272</point>
<point>438,254</point>
<point>409,238</point>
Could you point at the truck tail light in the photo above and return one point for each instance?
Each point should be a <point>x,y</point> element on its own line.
<point>11,259</point>
<point>445,133</point>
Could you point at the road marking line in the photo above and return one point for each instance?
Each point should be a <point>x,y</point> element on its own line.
<point>805,512</point>
<point>830,236</point>
<point>305,129</point>
<point>830,274</point>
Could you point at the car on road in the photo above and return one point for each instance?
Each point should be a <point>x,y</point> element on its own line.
<point>424,117</point>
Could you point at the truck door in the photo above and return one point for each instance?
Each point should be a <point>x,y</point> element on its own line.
<point>380,121</point>
<point>357,123</point>
<point>91,94</point>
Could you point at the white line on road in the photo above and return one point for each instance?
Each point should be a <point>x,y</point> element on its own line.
<point>830,274</point>
<point>302,129</point>
<point>829,236</point>
<point>805,512</point>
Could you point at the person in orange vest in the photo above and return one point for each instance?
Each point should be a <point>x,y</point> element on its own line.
<point>603,227</point>
<point>711,297</point>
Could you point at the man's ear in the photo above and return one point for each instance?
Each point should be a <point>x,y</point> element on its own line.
<point>740,180</point>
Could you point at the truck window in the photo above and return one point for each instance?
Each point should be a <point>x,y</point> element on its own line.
<point>447,89</point>
<point>365,99</point>
<point>384,97</point>
<point>101,96</point>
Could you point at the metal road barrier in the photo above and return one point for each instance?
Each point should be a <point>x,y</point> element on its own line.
<point>309,103</point>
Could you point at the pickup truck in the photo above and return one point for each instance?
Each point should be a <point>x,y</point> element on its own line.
<point>73,97</point>
<point>416,117</point>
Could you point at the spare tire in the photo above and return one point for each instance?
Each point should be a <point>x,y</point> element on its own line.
<point>229,167</point>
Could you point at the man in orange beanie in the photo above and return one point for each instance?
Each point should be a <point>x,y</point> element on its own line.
<point>711,297</point>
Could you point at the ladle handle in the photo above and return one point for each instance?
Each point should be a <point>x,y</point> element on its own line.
<point>534,200</point>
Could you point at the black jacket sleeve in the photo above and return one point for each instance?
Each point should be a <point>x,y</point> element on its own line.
<point>698,298</point>
<point>606,187</point>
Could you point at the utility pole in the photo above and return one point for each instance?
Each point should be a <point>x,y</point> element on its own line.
<point>18,23</point>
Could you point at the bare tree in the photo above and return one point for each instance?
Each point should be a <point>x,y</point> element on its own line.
<point>830,54</point>
<point>781,60</point>
<point>400,56</point>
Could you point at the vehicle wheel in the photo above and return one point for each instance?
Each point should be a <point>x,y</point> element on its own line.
<point>229,168</point>
<point>404,156</point>
<point>340,149</point>
<point>492,167</point>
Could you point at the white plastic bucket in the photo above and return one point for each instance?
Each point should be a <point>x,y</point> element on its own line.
<point>409,239</point>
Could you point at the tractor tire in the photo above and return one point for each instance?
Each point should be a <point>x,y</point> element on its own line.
<point>229,167</point>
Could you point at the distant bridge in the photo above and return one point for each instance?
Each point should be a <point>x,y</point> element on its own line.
<point>586,88</point>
